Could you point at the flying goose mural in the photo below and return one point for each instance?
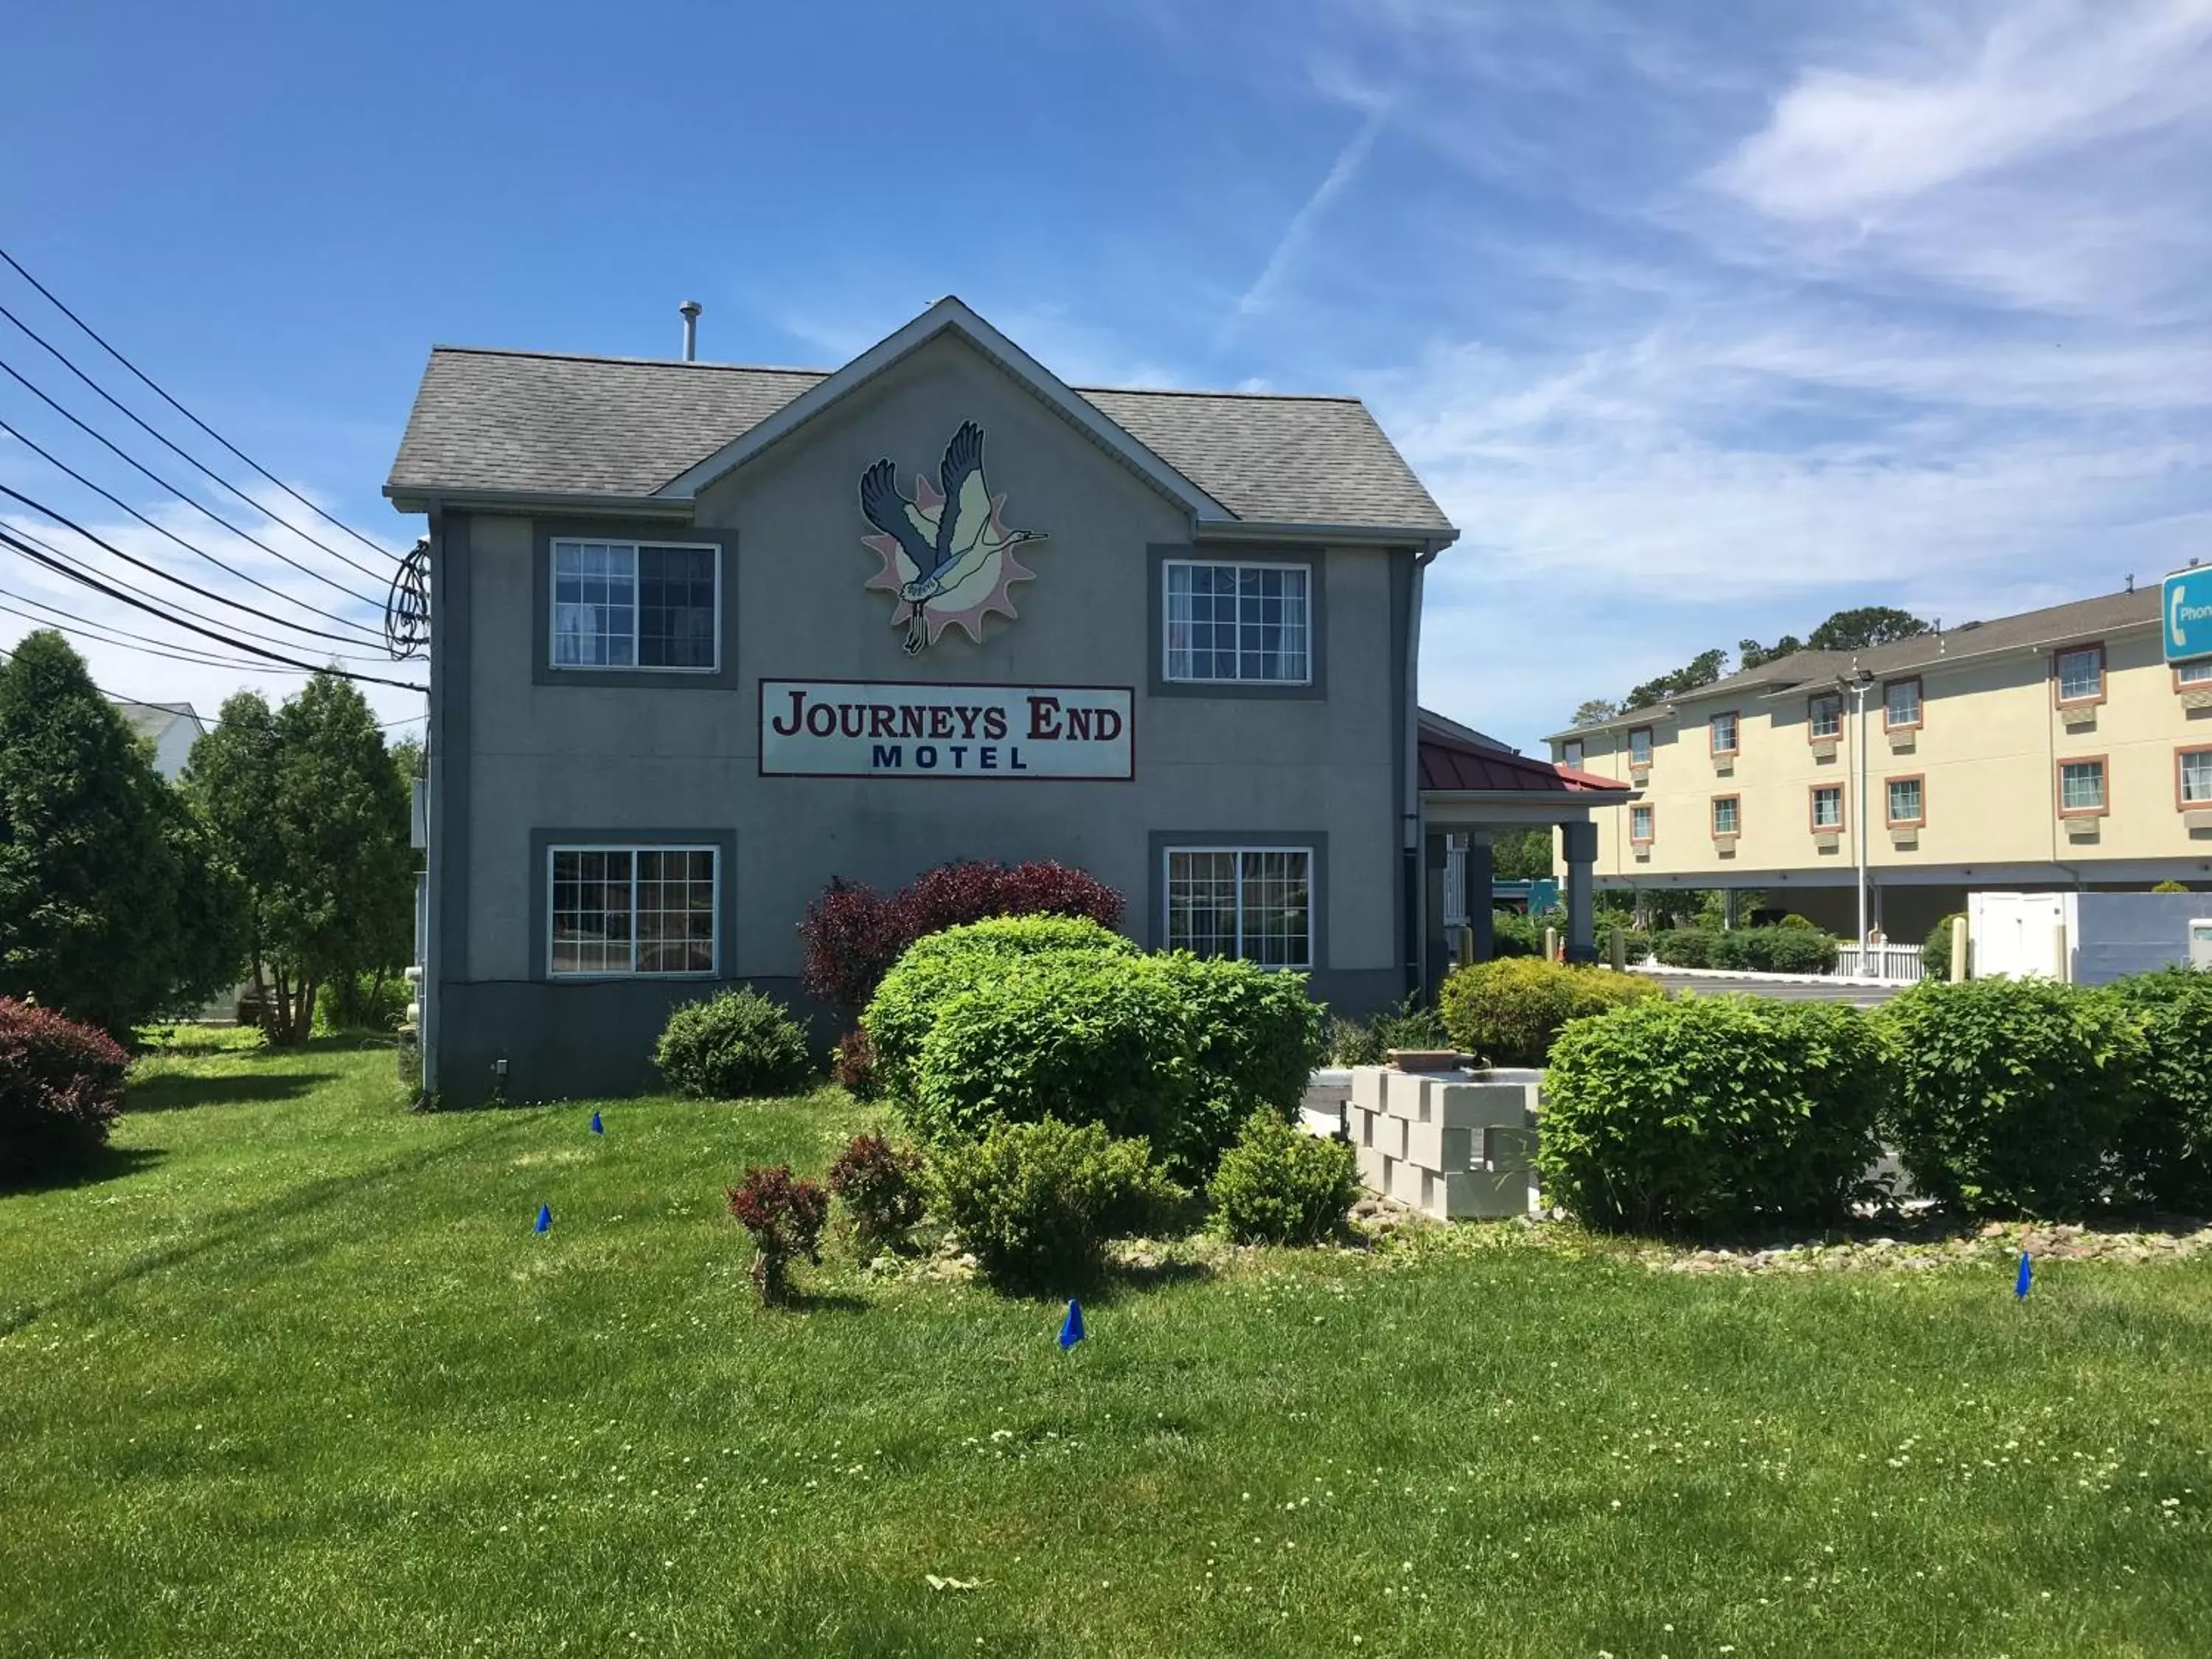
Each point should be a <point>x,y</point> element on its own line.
<point>947,553</point>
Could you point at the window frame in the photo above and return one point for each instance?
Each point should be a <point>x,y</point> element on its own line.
<point>2059,697</point>
<point>1889,819</point>
<point>553,847</point>
<point>1167,559</point>
<point>1734,717</point>
<point>1713,814</point>
<point>2103,763</point>
<point>1812,793</point>
<point>1571,754</point>
<point>637,545</point>
<point>1650,822</point>
<point>1812,733</point>
<point>1919,704</point>
<point>2181,801</point>
<point>1649,742</point>
<point>2204,685</point>
<point>1166,848</point>
<point>654,533</point>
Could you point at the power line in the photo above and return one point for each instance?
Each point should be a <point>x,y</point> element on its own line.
<point>30,552</point>
<point>98,635</point>
<point>180,452</point>
<point>123,455</point>
<point>155,569</point>
<point>46,546</point>
<point>54,300</point>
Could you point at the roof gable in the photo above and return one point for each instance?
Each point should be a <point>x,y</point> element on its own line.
<point>949,316</point>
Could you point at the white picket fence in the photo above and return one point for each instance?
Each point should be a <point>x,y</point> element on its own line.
<point>1888,964</point>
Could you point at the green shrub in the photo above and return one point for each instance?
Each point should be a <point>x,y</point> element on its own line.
<point>1279,1185</point>
<point>732,1046</point>
<point>2165,1151</point>
<point>2012,1093</point>
<point>1684,947</point>
<point>1705,1112</point>
<point>1405,1025</point>
<point>1036,1202</point>
<point>1802,924</point>
<point>1936,952</point>
<point>1177,1048</point>
<point>907,1003</point>
<point>2170,885</point>
<point>1728,949</point>
<point>1788,949</point>
<point>362,1002</point>
<point>1513,934</point>
<point>61,1090</point>
<point>1510,1011</point>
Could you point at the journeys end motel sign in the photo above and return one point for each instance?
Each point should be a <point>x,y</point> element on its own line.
<point>870,729</point>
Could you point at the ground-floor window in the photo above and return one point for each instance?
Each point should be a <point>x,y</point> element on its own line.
<point>633,910</point>
<point>1253,902</point>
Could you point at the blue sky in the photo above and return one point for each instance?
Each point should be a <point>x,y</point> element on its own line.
<point>1698,333</point>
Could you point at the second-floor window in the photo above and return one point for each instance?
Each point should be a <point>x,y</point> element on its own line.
<point>1639,746</point>
<point>1907,806</point>
<point>1723,732</point>
<point>1823,716</point>
<point>2081,674</point>
<point>1570,753</point>
<point>2193,673</point>
<point>1639,826</point>
<point>1900,704</point>
<point>1249,624</point>
<point>2080,787</point>
<point>1827,806</point>
<point>2193,785</point>
<point>1727,814</point>
<point>635,604</point>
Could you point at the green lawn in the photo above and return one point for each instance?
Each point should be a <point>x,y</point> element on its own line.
<point>296,1378</point>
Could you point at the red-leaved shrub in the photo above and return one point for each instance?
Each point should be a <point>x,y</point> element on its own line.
<point>61,1089</point>
<point>784,1214</point>
<point>880,1187</point>
<point>852,933</point>
<point>853,1065</point>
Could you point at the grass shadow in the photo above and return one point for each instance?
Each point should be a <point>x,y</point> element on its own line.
<point>806,1302</point>
<point>179,1091</point>
<point>107,1163</point>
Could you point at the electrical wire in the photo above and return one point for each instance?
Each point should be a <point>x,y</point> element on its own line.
<point>181,452</point>
<point>56,565</point>
<point>45,546</point>
<point>108,443</point>
<point>78,627</point>
<point>46,512</point>
<point>54,300</point>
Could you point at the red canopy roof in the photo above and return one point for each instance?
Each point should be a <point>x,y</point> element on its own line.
<point>1452,761</point>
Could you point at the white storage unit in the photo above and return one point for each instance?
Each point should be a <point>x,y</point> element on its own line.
<point>2089,938</point>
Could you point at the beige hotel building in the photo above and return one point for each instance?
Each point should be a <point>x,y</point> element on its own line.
<point>2049,750</point>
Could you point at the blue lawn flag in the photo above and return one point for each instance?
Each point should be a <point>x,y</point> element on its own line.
<point>1072,1332</point>
<point>598,1128</point>
<point>545,1219</point>
<point>2027,1276</point>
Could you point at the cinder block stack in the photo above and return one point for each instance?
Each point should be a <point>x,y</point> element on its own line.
<point>1452,1145</point>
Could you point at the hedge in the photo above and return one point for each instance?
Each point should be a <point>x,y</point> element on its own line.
<point>2166,1150</point>
<point>2012,1095</point>
<point>1509,1011</point>
<point>1783,949</point>
<point>1705,1112</point>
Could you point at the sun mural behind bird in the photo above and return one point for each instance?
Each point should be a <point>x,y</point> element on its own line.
<point>947,554</point>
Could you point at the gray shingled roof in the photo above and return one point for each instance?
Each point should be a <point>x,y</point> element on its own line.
<point>539,423</point>
<point>2054,625</point>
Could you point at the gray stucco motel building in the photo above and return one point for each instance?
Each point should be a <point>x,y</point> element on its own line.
<point>704,637</point>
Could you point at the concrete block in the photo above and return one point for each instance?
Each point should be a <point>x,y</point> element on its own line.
<point>1391,1136</point>
<point>1433,1146</point>
<point>1479,1105</point>
<point>1371,1163</point>
<point>1484,1195</point>
<point>1359,1125</point>
<point>1508,1147</point>
<point>1407,1095</point>
<point>1367,1087</point>
<point>1408,1182</point>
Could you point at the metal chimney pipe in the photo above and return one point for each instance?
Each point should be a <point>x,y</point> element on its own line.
<point>690,311</point>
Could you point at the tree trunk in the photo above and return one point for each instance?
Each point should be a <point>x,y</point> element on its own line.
<point>304,1019</point>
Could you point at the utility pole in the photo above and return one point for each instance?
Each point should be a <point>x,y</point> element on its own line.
<point>1859,682</point>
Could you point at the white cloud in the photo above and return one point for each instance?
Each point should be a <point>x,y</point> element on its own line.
<point>1298,235</point>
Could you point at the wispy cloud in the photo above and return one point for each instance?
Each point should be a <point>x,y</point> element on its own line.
<point>1298,235</point>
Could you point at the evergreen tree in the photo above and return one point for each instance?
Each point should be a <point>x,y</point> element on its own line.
<point>109,911</point>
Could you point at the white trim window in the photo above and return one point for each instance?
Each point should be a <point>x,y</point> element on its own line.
<point>1571,754</point>
<point>2082,786</point>
<point>1255,902</point>
<point>1824,714</point>
<point>1242,623</point>
<point>636,604</point>
<point>1908,806</point>
<point>1723,738</point>
<point>2195,785</point>
<point>1727,814</point>
<point>1900,703</point>
<point>2081,674</point>
<point>1827,806</point>
<point>1639,824</point>
<point>632,910</point>
<point>2193,673</point>
<point>1639,747</point>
